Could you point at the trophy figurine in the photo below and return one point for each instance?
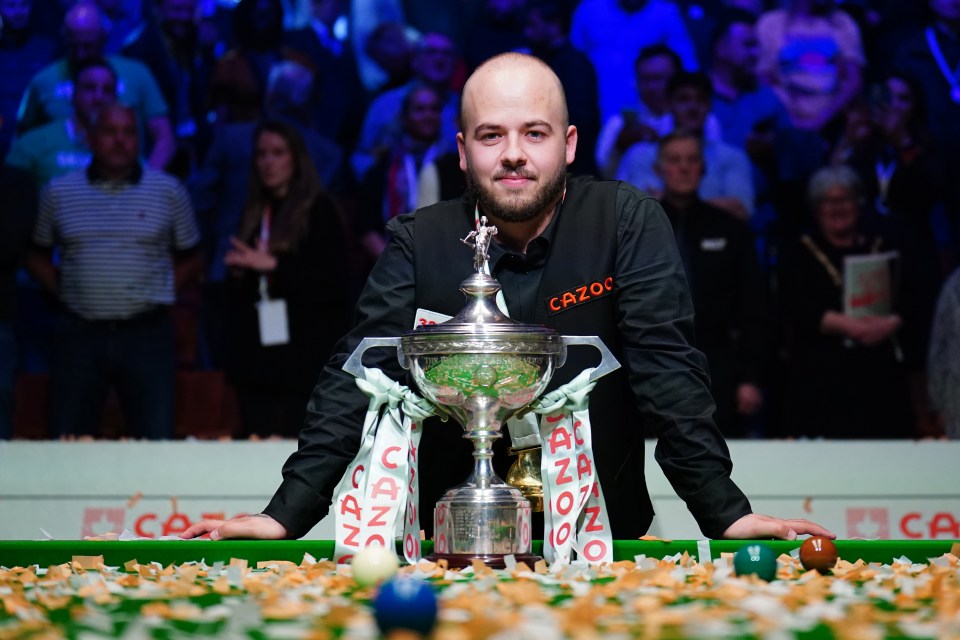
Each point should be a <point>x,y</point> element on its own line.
<point>482,368</point>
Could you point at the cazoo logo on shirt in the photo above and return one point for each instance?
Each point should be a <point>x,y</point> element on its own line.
<point>580,295</point>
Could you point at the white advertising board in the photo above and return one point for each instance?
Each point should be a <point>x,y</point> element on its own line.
<point>896,490</point>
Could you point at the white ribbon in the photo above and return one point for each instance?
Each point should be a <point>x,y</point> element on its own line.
<point>381,483</point>
<point>575,514</point>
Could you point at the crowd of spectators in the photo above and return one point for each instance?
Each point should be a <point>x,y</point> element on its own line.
<point>805,152</point>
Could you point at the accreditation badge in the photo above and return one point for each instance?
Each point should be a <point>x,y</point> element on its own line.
<point>274,328</point>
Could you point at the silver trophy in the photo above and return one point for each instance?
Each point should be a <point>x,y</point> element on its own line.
<point>482,368</point>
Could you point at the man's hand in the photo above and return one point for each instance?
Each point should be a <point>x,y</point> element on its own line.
<point>255,527</point>
<point>755,526</point>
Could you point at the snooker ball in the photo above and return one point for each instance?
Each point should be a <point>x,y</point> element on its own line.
<point>755,559</point>
<point>818,553</point>
<point>405,603</point>
<point>372,565</point>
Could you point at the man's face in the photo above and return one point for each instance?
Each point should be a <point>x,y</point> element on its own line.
<point>15,14</point>
<point>690,108</point>
<point>95,88</point>
<point>680,166</point>
<point>653,74</point>
<point>114,139</point>
<point>421,120</point>
<point>740,48</point>
<point>84,42</point>
<point>516,144</point>
<point>178,17</point>
<point>433,61</point>
<point>948,10</point>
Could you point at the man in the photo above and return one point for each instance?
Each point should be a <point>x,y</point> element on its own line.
<point>22,54</point>
<point>728,183</point>
<point>725,282</point>
<point>48,97</point>
<point>554,233</point>
<point>127,239</point>
<point>60,147</point>
<point>433,65</point>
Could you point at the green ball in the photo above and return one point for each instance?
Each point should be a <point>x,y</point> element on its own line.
<point>755,559</point>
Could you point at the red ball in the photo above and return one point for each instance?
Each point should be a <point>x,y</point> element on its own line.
<point>818,553</point>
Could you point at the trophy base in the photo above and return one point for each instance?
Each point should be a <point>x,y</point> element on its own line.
<point>492,560</point>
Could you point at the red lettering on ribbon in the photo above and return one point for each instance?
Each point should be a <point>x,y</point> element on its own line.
<point>351,539</point>
<point>351,506</point>
<point>593,524</point>
<point>386,486</point>
<point>384,460</point>
<point>564,503</point>
<point>560,439</point>
<point>595,550</point>
<point>563,477</point>
<point>353,479</point>
<point>564,531</point>
<point>376,520</point>
<point>584,468</point>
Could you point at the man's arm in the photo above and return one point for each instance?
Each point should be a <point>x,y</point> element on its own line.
<point>40,265</point>
<point>187,267</point>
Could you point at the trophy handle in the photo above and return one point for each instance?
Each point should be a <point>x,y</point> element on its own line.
<point>354,364</point>
<point>608,362</point>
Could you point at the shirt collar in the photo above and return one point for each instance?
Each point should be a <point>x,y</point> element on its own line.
<point>95,175</point>
<point>502,258</point>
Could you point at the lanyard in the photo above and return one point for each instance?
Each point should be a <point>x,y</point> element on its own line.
<point>265,224</point>
<point>950,75</point>
<point>885,171</point>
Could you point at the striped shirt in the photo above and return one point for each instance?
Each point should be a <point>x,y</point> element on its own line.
<point>116,241</point>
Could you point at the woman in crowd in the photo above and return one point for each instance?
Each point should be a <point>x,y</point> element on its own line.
<point>847,376</point>
<point>288,290</point>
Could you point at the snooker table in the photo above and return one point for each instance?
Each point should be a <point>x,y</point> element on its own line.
<point>653,589</point>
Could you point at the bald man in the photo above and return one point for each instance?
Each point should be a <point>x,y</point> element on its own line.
<point>555,234</point>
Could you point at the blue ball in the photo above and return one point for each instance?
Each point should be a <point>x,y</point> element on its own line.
<point>755,559</point>
<point>405,603</point>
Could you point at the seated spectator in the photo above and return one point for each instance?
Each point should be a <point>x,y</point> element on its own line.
<point>288,253</point>
<point>846,376</point>
<point>220,189</point>
<point>127,240</point>
<point>546,32</point>
<point>943,360</point>
<point>613,32</point>
<point>811,54</point>
<point>433,65</point>
<point>725,282</point>
<point>19,208</point>
<point>48,96</point>
<point>61,147</point>
<point>391,186</point>
<point>22,54</point>
<point>727,183</point>
<point>169,44</point>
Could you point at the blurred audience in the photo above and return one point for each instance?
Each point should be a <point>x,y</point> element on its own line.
<point>727,183</point>
<point>22,54</point>
<point>811,53</point>
<point>288,290</point>
<point>48,96</point>
<point>433,65</point>
<point>127,241</point>
<point>613,32</point>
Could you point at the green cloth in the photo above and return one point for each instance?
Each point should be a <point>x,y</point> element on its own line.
<point>49,151</point>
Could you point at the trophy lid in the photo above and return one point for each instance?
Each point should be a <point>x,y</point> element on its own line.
<point>481,319</point>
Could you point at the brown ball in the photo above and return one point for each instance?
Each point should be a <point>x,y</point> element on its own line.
<point>818,553</point>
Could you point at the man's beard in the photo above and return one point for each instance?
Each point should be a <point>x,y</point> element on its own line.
<point>513,208</point>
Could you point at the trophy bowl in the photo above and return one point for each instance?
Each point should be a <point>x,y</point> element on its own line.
<point>482,368</point>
